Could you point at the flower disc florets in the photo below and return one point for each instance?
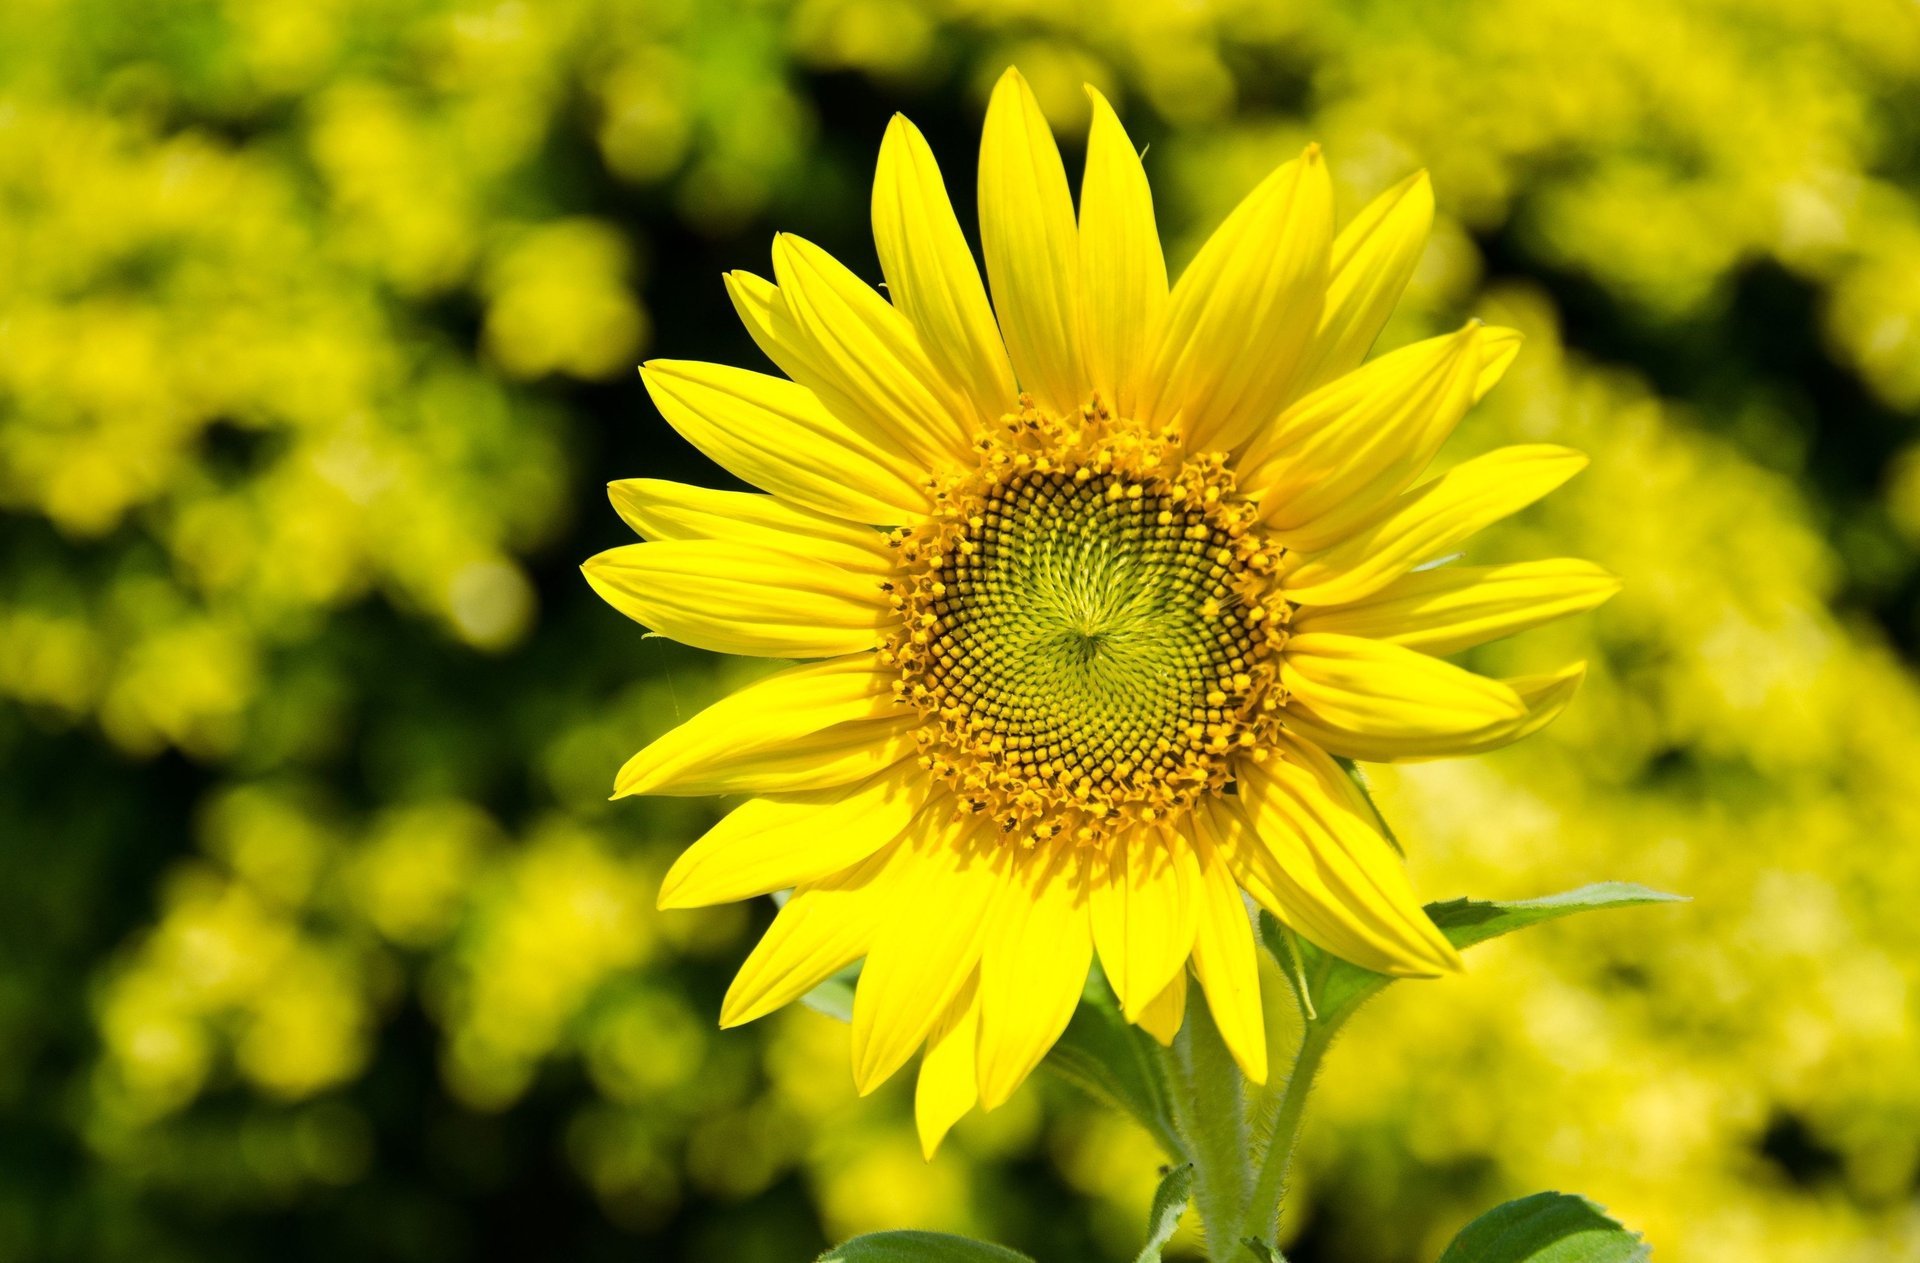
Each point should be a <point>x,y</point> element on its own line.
<point>1089,625</point>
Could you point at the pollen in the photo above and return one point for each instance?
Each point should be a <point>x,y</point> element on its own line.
<point>1087,631</point>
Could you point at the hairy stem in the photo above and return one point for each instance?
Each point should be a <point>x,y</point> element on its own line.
<point>1270,1187</point>
<point>1208,1107</point>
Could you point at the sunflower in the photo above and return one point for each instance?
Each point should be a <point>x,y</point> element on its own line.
<point>1093,587</point>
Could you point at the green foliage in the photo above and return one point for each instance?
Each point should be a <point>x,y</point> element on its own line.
<point>834,997</point>
<point>1329,989</point>
<point>1117,1064</point>
<point>919,1247</point>
<point>1169,1203</point>
<point>1546,1228</point>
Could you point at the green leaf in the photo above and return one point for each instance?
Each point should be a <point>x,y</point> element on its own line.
<point>1469,921</point>
<point>1115,1062</point>
<point>1169,1203</point>
<point>1546,1228</point>
<point>1330,989</point>
<point>834,997</point>
<point>920,1247</point>
<point>1262,1251</point>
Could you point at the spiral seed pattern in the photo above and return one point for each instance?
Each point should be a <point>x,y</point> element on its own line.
<point>1089,630</point>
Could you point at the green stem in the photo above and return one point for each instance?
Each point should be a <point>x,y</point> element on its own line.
<point>1263,1209</point>
<point>1208,1108</point>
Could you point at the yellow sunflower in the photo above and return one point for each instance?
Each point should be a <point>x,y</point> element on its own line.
<point>1093,584</point>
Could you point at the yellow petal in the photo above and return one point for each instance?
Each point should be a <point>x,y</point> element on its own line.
<point>929,943</point>
<point>1243,311</point>
<point>1373,257</point>
<point>1225,962</point>
<point>1499,348</point>
<point>1352,893</point>
<point>1544,696</point>
<point>1123,276</point>
<point>1161,1019</point>
<point>825,927</point>
<point>673,510</point>
<point>1286,879</point>
<point>755,300</point>
<point>945,1090</point>
<point>779,437</point>
<point>734,598</point>
<point>862,357</point>
<point>1334,460</point>
<point>1032,247</point>
<point>1425,523</point>
<point>1142,904</point>
<point>1456,607</point>
<point>1034,968</point>
<point>786,840</point>
<point>1368,688</point>
<point>931,275</point>
<point>807,727</point>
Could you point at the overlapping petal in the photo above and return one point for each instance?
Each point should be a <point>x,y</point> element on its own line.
<point>1123,275</point>
<point>1333,461</point>
<point>931,275</point>
<point>1544,697</point>
<point>1143,904</point>
<point>807,727</point>
<point>1338,879</point>
<point>1031,243</point>
<point>778,436</point>
<point>1038,952</point>
<point>918,962</point>
<point>1369,688</point>
<point>1423,524</point>
<point>1451,608</point>
<point>947,1087</point>
<point>862,356</point>
<point>734,598</point>
<point>658,509</point>
<point>1161,1018</point>
<point>1225,960</point>
<point>1372,260</point>
<point>823,928</point>
<point>785,840</point>
<point>1244,310</point>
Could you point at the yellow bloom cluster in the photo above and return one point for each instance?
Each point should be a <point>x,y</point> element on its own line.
<point>309,314</point>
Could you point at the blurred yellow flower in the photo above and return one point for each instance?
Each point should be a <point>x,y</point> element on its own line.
<point>1157,557</point>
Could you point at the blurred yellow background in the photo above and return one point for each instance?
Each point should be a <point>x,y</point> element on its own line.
<point>318,938</point>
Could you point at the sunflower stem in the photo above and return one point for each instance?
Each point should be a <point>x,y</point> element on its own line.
<point>1209,1109</point>
<point>1270,1186</point>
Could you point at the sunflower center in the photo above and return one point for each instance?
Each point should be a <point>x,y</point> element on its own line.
<point>1086,630</point>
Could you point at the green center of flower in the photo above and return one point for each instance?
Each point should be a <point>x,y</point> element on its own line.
<point>1087,620</point>
<point>1087,634</point>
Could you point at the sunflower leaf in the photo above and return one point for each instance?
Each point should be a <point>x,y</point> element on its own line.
<point>1546,1228</point>
<point>920,1247</point>
<point>1466,922</point>
<point>834,997</point>
<point>1330,989</point>
<point>1114,1062</point>
<point>1169,1203</point>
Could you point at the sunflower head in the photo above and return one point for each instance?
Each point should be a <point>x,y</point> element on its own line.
<point>1092,584</point>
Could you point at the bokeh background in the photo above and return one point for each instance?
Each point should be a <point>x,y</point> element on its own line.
<point>318,937</point>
